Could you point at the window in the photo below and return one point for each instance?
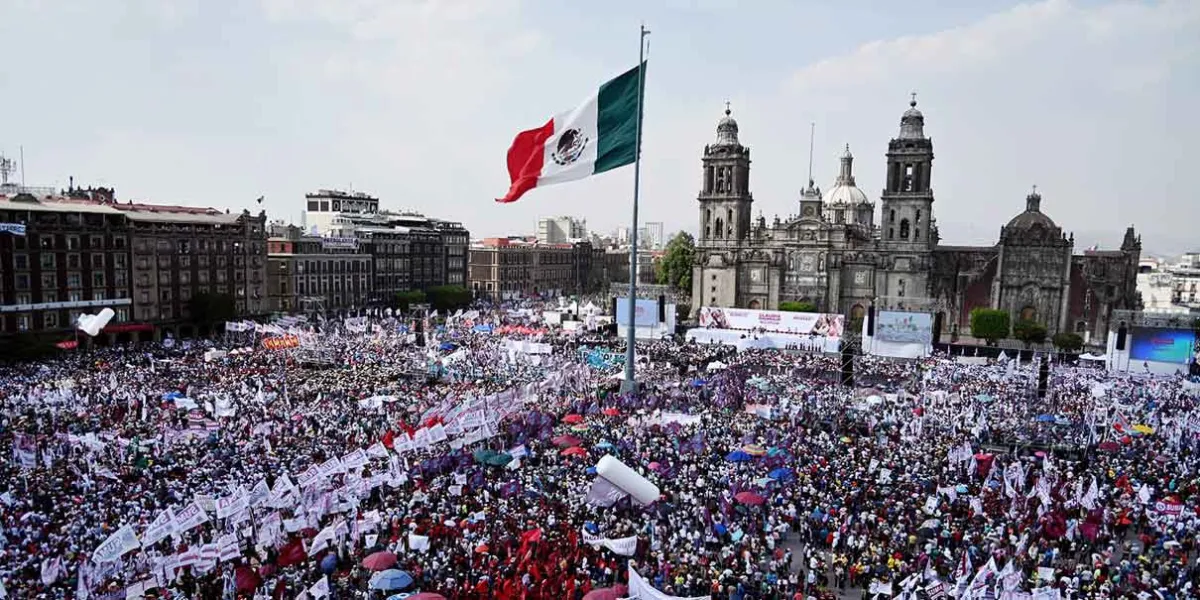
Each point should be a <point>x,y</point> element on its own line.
<point>185,262</point>
<point>185,246</point>
<point>901,288</point>
<point>96,242</point>
<point>22,281</point>
<point>98,261</point>
<point>74,296</point>
<point>73,261</point>
<point>72,242</point>
<point>120,279</point>
<point>891,233</point>
<point>202,261</point>
<point>46,242</point>
<point>164,278</point>
<point>98,279</point>
<point>47,261</point>
<point>49,280</point>
<point>904,229</point>
<point>118,242</point>
<point>24,299</point>
<point>144,297</point>
<point>185,277</point>
<point>99,295</point>
<point>49,296</point>
<point>164,295</point>
<point>118,261</point>
<point>20,262</point>
<point>74,280</point>
<point>23,322</point>
<point>163,246</point>
<point>121,314</point>
<point>164,261</point>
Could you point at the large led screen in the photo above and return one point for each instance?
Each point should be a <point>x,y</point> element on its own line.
<point>1161,345</point>
<point>904,327</point>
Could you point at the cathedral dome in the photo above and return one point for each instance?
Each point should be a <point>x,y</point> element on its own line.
<point>844,190</point>
<point>1032,216</point>
<point>727,129</point>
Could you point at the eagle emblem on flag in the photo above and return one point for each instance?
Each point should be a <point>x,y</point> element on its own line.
<point>570,147</point>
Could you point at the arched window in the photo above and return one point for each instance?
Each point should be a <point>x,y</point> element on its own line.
<point>720,229</point>
<point>755,305</point>
<point>1028,313</point>
<point>839,216</point>
<point>904,229</point>
<point>892,216</point>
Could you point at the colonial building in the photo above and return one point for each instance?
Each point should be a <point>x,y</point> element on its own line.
<point>315,273</point>
<point>834,253</point>
<point>504,269</point>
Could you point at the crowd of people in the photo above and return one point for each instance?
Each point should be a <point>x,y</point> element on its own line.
<point>465,467</point>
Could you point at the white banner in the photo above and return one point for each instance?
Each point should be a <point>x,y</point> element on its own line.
<point>120,542</point>
<point>827,325</point>
<point>642,590</point>
<point>623,546</point>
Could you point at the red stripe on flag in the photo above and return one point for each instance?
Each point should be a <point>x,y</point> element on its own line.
<point>525,158</point>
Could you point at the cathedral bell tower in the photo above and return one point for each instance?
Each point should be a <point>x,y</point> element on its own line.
<point>907,221</point>
<point>725,197</point>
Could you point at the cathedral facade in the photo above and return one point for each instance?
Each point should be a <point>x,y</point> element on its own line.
<point>842,255</point>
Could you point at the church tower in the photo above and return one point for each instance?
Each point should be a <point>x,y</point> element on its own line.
<point>907,221</point>
<point>907,229</point>
<point>725,191</point>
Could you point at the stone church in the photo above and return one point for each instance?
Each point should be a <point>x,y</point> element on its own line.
<point>838,253</point>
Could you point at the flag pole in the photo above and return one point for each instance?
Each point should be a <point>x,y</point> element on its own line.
<point>630,383</point>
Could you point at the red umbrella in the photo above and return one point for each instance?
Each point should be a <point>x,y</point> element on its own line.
<point>573,419</point>
<point>380,561</point>
<point>427,596</point>
<point>750,498</point>
<point>608,412</point>
<point>566,441</point>
<point>609,593</point>
<point>574,451</point>
<point>1109,446</point>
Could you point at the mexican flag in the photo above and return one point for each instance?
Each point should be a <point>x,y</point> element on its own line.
<point>597,136</point>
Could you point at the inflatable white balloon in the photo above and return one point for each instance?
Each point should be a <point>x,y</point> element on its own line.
<point>92,324</point>
<point>627,479</point>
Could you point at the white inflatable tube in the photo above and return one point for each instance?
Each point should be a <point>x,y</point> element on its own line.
<point>627,479</point>
<point>92,324</point>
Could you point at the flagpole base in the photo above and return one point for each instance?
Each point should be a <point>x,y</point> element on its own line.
<point>629,387</point>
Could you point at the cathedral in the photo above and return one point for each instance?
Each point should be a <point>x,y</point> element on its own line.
<point>838,253</point>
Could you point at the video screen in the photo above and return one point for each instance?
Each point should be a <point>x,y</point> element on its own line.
<point>1162,345</point>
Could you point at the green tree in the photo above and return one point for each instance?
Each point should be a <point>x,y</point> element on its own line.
<point>1068,342</point>
<point>790,306</point>
<point>682,311</point>
<point>210,309</point>
<point>407,299</point>
<point>448,297</point>
<point>989,324</point>
<point>1029,332</point>
<point>675,266</point>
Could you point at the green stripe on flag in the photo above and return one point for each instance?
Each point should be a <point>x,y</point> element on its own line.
<point>616,121</point>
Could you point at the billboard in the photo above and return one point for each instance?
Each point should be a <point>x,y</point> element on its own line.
<point>1156,344</point>
<point>904,327</point>
<point>772,320</point>
<point>645,312</point>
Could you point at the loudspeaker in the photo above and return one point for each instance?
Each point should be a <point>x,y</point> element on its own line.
<point>937,327</point>
<point>662,308</point>
<point>613,309</point>
<point>611,329</point>
<point>1121,333</point>
<point>871,321</point>
<point>847,366</point>
<point>1043,376</point>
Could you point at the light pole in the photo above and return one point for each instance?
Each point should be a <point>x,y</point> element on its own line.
<point>630,383</point>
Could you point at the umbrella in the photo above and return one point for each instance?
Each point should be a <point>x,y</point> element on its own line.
<point>610,412</point>
<point>609,593</point>
<point>379,561</point>
<point>604,446</point>
<point>246,580</point>
<point>566,441</point>
<point>403,596</point>
<point>492,458</point>
<point>573,419</point>
<point>1141,428</point>
<point>329,563</point>
<point>574,451</point>
<point>782,474</point>
<point>391,579</point>
<point>427,596</point>
<point>579,427</point>
<point>654,466</point>
<point>1109,446</point>
<point>755,450</point>
<point>1045,418</point>
<point>750,498</point>
<point>738,456</point>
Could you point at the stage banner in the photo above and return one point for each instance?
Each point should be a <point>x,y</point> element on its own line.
<point>773,320</point>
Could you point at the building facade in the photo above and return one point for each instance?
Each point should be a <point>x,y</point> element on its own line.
<point>82,251</point>
<point>561,230</point>
<point>834,254</point>
<point>502,269</point>
<point>316,273</point>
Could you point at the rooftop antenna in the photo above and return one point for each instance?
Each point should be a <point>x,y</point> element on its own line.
<point>812,134</point>
<point>22,166</point>
<point>7,166</point>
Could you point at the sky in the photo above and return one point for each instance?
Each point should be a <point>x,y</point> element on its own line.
<point>218,102</point>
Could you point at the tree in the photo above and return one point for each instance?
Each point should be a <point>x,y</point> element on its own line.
<point>209,309</point>
<point>790,306</point>
<point>1029,332</point>
<point>682,311</point>
<point>406,299</point>
<point>1068,342</point>
<point>989,324</point>
<point>675,266</point>
<point>448,297</point>
<point>26,346</point>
